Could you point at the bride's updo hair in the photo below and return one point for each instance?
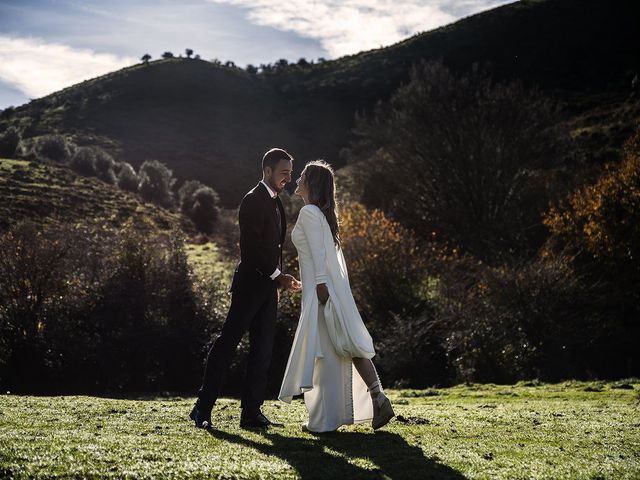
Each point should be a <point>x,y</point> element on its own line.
<point>322,193</point>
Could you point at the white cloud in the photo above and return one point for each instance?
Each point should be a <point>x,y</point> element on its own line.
<point>38,68</point>
<point>345,27</point>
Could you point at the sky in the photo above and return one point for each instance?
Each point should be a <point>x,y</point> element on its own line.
<point>47,45</point>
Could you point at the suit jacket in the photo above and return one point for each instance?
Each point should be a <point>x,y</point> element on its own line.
<point>260,239</point>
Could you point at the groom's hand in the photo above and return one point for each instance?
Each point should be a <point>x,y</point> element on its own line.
<point>288,281</point>
<point>323,292</point>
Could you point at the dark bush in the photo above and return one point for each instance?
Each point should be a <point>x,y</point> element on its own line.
<point>185,194</point>
<point>102,310</point>
<point>84,161</point>
<point>105,165</point>
<point>201,204</point>
<point>501,324</point>
<point>53,147</point>
<point>10,142</point>
<point>205,211</point>
<point>388,274</point>
<point>127,178</point>
<point>156,183</point>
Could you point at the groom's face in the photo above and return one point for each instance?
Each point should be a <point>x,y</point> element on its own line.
<point>280,175</point>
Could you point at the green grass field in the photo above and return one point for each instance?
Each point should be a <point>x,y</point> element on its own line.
<point>570,430</point>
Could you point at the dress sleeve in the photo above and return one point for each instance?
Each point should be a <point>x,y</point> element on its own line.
<point>311,222</point>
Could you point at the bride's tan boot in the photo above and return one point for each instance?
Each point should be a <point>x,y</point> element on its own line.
<point>382,410</point>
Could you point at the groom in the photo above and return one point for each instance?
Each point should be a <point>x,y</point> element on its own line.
<point>254,295</point>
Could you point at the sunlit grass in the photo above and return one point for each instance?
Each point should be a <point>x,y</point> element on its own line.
<point>208,261</point>
<point>529,430</point>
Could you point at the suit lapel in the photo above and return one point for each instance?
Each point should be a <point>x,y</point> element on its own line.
<point>283,219</point>
<point>272,209</point>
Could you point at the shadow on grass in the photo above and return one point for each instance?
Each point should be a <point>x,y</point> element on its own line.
<point>330,455</point>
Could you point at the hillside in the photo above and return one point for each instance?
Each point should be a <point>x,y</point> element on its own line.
<point>212,122</point>
<point>50,194</point>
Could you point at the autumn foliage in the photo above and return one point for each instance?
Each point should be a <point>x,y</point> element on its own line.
<point>601,222</point>
<point>387,266</point>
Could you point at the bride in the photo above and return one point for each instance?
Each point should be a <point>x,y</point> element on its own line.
<point>330,359</point>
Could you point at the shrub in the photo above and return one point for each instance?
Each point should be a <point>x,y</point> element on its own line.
<point>84,161</point>
<point>87,309</point>
<point>386,263</point>
<point>156,183</point>
<point>501,324</point>
<point>185,194</point>
<point>10,142</point>
<point>201,204</point>
<point>53,147</point>
<point>598,226</point>
<point>127,178</point>
<point>105,165</point>
<point>600,223</point>
<point>205,211</point>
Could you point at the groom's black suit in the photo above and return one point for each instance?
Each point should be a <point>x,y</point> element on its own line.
<point>253,302</point>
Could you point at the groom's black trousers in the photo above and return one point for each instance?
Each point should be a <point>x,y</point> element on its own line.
<point>254,310</point>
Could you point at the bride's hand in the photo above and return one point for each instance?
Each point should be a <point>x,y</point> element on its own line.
<point>323,292</point>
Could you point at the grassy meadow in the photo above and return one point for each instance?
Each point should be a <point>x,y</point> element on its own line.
<point>572,430</point>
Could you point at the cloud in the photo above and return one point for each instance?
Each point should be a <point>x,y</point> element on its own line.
<point>38,68</point>
<point>345,27</point>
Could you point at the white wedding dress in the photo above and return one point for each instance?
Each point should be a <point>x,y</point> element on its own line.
<point>327,336</point>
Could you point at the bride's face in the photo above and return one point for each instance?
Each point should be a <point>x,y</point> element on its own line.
<point>301,188</point>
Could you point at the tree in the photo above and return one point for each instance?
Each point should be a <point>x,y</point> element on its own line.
<point>7,112</point>
<point>252,70</point>
<point>201,204</point>
<point>145,58</point>
<point>386,265</point>
<point>188,52</point>
<point>105,166</point>
<point>600,225</point>
<point>53,147</point>
<point>281,64</point>
<point>156,182</point>
<point>10,142</point>
<point>185,194</point>
<point>127,178</point>
<point>463,158</point>
<point>94,162</point>
<point>167,55</point>
<point>84,161</point>
<point>204,210</point>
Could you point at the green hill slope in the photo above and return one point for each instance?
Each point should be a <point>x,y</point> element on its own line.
<point>49,194</point>
<point>213,123</point>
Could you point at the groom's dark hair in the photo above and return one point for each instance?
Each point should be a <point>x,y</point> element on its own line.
<point>273,156</point>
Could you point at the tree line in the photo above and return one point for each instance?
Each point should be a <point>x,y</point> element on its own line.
<point>482,246</point>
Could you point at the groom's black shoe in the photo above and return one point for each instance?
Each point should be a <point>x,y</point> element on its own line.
<point>255,420</point>
<point>201,418</point>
